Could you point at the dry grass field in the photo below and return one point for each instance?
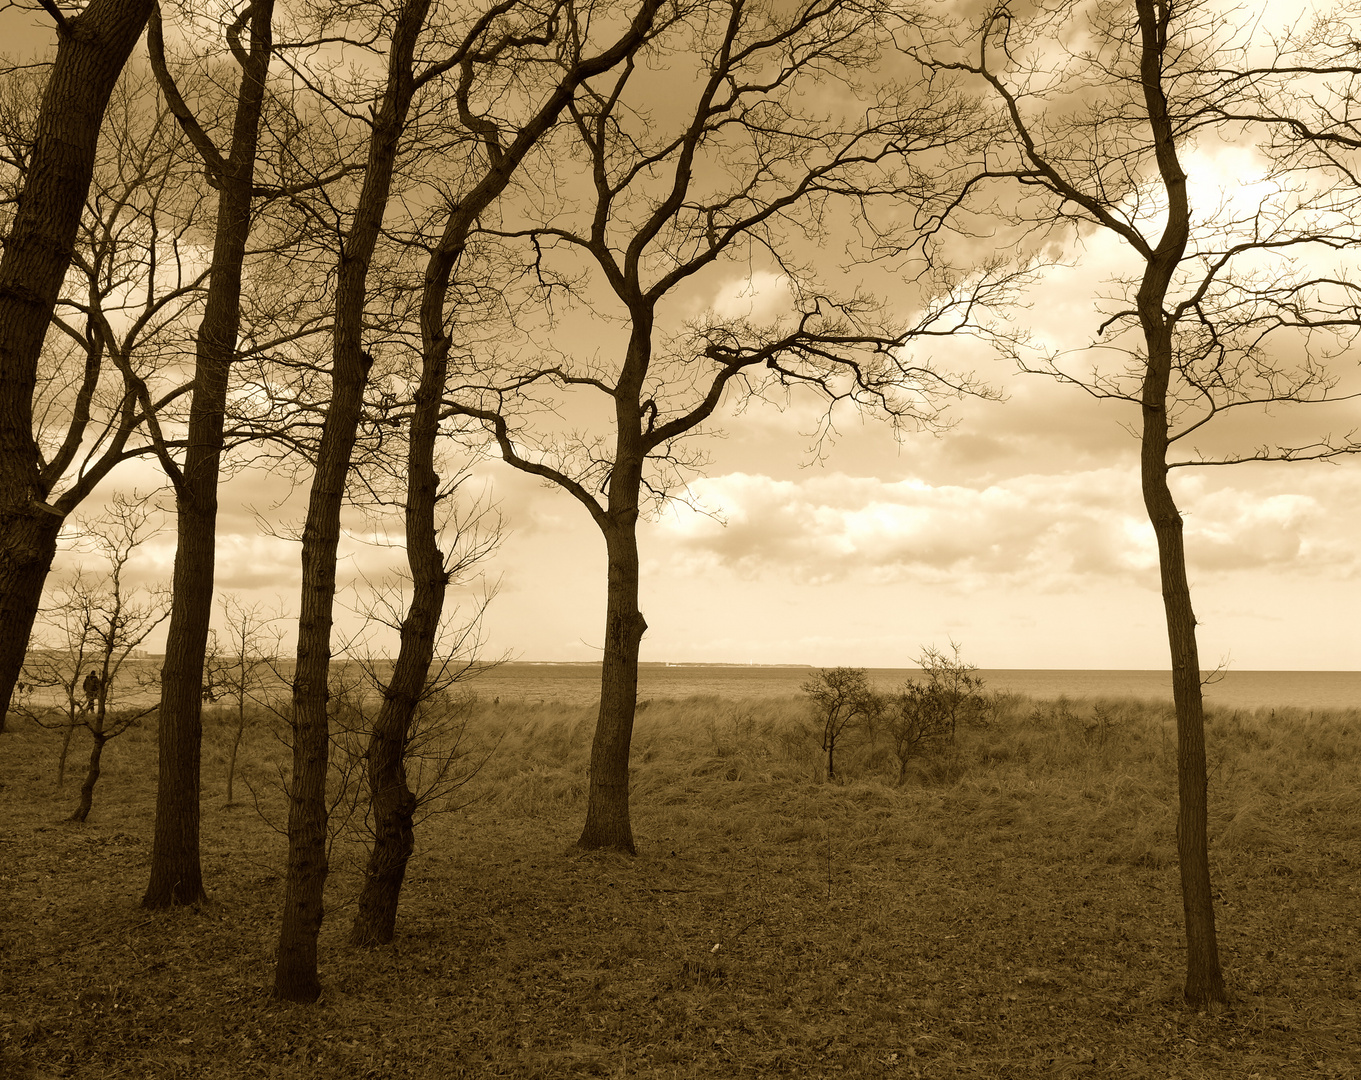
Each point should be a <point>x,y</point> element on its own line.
<point>1011,911</point>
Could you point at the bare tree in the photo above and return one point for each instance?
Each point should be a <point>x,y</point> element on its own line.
<point>740,174</point>
<point>176,871</point>
<point>1098,137</point>
<point>295,977</point>
<point>108,376</point>
<point>242,667</point>
<point>840,697</point>
<point>931,709</point>
<point>505,37</point>
<point>95,622</point>
<point>92,48</point>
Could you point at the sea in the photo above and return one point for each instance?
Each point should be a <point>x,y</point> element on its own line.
<point>579,683</point>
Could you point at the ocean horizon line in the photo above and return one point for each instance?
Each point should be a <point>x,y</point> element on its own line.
<point>910,667</point>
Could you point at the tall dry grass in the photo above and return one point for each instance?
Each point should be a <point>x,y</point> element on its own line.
<point>1094,774</point>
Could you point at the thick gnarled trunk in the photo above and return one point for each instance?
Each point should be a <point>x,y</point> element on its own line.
<point>92,49</point>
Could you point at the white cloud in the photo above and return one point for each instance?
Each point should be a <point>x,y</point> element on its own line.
<point>1048,532</point>
<point>762,297</point>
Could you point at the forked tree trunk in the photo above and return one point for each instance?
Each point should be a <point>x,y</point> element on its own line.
<point>607,808</point>
<point>295,976</point>
<point>176,868</point>
<point>392,801</point>
<point>92,49</point>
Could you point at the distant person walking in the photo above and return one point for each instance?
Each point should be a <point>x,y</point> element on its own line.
<point>91,688</point>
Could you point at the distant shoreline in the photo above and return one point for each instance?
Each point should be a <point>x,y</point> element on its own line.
<point>489,665</point>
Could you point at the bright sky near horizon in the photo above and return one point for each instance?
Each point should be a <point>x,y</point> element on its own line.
<point>1019,533</point>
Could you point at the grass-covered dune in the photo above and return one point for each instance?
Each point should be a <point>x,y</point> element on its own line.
<point>1012,910</point>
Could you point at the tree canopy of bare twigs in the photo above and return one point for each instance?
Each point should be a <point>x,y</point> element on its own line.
<point>1099,130</point>
<point>776,135</point>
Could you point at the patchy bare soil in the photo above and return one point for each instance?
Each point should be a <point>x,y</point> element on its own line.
<point>1013,912</point>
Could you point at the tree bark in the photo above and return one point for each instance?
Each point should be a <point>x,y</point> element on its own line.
<point>295,977</point>
<point>87,787</point>
<point>92,49</point>
<point>607,808</point>
<point>28,544</point>
<point>1204,977</point>
<point>67,732</point>
<point>176,869</point>
<point>393,803</point>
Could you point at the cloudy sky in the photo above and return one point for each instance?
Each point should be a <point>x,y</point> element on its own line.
<point>1019,532</point>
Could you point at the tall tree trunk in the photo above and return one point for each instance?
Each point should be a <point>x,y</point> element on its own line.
<point>1204,976</point>
<point>176,869</point>
<point>295,977</point>
<point>393,803</point>
<point>92,49</point>
<point>28,544</point>
<point>607,808</point>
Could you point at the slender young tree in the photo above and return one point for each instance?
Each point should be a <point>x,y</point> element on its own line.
<point>243,667</point>
<point>1102,137</point>
<point>92,48</point>
<point>99,620</point>
<point>737,174</point>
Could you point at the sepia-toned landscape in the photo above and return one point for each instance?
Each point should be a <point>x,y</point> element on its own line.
<point>679,538</point>
<point>1009,911</point>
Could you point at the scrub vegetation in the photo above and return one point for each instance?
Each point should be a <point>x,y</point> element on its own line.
<point>1009,909</point>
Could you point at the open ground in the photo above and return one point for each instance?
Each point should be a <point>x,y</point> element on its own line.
<point>1012,910</point>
